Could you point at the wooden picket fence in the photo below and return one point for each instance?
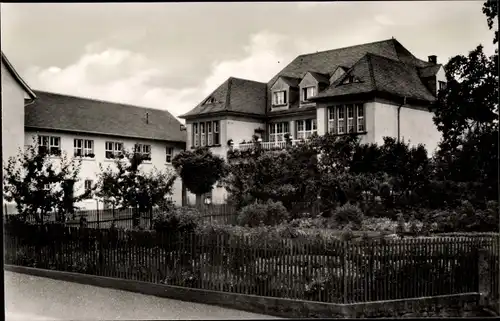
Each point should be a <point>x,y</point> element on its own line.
<point>326,271</point>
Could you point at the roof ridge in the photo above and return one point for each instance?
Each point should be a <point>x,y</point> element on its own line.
<point>99,100</point>
<point>347,47</point>
<point>249,80</point>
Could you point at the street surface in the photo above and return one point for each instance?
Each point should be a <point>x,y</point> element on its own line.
<point>32,298</point>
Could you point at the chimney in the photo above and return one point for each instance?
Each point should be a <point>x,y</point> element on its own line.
<point>147,118</point>
<point>433,59</point>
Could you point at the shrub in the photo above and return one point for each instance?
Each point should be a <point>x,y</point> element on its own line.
<point>348,213</point>
<point>182,219</point>
<point>379,224</point>
<point>269,213</point>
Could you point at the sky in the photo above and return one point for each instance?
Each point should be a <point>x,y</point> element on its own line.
<point>172,55</point>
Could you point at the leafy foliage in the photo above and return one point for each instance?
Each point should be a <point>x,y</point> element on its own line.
<point>126,185</point>
<point>39,184</point>
<point>183,219</point>
<point>268,213</point>
<point>199,169</point>
<point>349,213</point>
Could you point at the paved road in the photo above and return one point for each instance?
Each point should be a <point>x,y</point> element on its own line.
<point>35,298</point>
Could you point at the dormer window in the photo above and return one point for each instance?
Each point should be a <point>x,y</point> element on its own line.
<point>308,92</point>
<point>210,100</point>
<point>279,98</point>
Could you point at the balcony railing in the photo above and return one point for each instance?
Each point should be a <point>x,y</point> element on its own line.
<point>276,145</point>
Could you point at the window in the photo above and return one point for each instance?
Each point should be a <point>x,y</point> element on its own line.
<point>144,150</point>
<point>202,134</point>
<point>340,120</point>
<point>88,184</point>
<point>83,148</point>
<point>305,128</point>
<point>279,98</point>
<point>49,144</point>
<point>350,118</point>
<point>442,85</point>
<point>360,120</point>
<point>355,119</point>
<point>209,134</point>
<point>168,154</point>
<point>113,149</point>
<point>196,138</point>
<point>206,133</point>
<point>216,133</point>
<point>331,119</point>
<point>277,131</point>
<point>308,92</point>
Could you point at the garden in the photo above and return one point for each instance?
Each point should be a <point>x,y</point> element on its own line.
<point>328,219</point>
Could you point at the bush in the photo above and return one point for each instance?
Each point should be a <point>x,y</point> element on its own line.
<point>379,224</point>
<point>182,219</point>
<point>348,213</point>
<point>269,213</point>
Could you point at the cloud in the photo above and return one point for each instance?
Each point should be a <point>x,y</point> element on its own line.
<point>129,77</point>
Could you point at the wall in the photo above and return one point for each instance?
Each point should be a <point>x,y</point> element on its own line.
<point>12,115</point>
<point>242,129</point>
<point>416,125</point>
<point>90,167</point>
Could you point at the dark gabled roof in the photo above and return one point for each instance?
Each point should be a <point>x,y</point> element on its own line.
<point>325,63</point>
<point>68,113</point>
<point>429,71</point>
<point>320,77</point>
<point>17,77</point>
<point>234,95</point>
<point>380,74</point>
<point>328,61</point>
<point>291,81</point>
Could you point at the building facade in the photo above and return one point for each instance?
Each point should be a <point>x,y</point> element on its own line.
<point>98,131</point>
<point>374,90</point>
<point>15,95</point>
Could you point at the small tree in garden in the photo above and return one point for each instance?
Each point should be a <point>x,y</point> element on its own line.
<point>39,185</point>
<point>199,170</point>
<point>127,185</point>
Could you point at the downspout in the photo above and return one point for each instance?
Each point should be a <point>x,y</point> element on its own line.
<point>399,118</point>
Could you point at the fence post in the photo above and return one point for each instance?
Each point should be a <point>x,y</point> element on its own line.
<point>5,206</point>
<point>344,271</point>
<point>485,280</point>
<point>98,219</point>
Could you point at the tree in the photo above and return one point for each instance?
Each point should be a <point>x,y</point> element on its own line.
<point>199,170</point>
<point>467,114</point>
<point>490,9</point>
<point>127,185</point>
<point>39,185</point>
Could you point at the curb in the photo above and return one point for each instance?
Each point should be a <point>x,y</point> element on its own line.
<point>279,307</point>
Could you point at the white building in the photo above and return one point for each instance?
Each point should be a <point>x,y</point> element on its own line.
<point>373,90</point>
<point>15,95</point>
<point>97,130</point>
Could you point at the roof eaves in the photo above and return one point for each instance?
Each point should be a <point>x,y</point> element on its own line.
<point>225,113</point>
<point>17,77</point>
<point>98,133</point>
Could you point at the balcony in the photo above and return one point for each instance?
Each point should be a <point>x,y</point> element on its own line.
<point>276,145</point>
